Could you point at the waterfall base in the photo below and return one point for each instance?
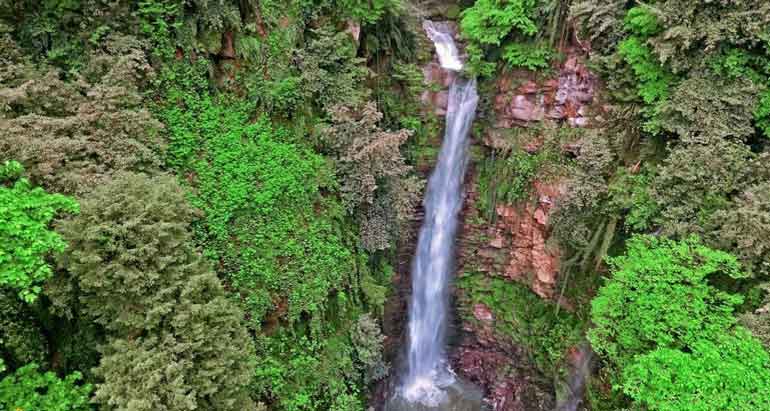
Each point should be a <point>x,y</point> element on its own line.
<point>460,396</point>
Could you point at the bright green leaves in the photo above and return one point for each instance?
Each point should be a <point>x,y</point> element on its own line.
<point>25,237</point>
<point>303,375</point>
<point>29,389</point>
<point>641,21</point>
<point>528,56</point>
<point>658,296</point>
<point>265,220</point>
<point>730,373</point>
<point>653,81</point>
<point>489,21</point>
<point>672,333</point>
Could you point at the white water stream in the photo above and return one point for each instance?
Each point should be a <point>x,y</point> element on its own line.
<point>428,371</point>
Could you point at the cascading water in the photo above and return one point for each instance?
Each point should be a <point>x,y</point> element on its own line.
<point>428,372</point>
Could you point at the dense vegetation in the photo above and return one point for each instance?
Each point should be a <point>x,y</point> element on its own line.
<point>201,201</point>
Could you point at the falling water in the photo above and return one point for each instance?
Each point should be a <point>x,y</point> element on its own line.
<point>428,372</point>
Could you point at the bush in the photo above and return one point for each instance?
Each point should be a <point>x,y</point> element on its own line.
<point>25,238</point>
<point>29,389</point>
<point>659,297</point>
<point>174,341</point>
<point>729,373</point>
<point>530,57</point>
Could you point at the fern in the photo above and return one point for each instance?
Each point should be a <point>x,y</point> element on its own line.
<point>488,22</point>
<point>642,22</point>
<point>654,81</point>
<point>529,56</point>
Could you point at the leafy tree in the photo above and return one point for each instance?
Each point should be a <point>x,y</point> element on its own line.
<point>369,11</point>
<point>530,57</point>
<point>25,238</point>
<point>72,135</point>
<point>699,178</point>
<point>653,81</point>
<point>29,389</point>
<point>21,337</point>
<point>731,372</point>
<point>330,71</point>
<point>709,105</point>
<point>282,374</point>
<point>375,176</point>
<point>659,297</point>
<point>174,341</point>
<point>742,229</point>
<point>367,339</point>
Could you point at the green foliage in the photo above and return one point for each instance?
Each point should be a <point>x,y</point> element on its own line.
<point>29,389</point>
<point>488,22</point>
<point>330,71</point>
<point>174,341</point>
<point>262,193</point>
<point>688,194</point>
<point>73,135</point>
<point>367,339</point>
<point>508,179</point>
<point>21,337</point>
<point>659,297</point>
<point>530,57</point>
<point>376,184</point>
<point>762,114</point>
<point>368,11</point>
<point>599,21</point>
<point>654,81</point>
<point>25,238</point>
<point>282,374</point>
<point>642,22</point>
<point>742,229</point>
<point>631,193</point>
<point>523,318</point>
<point>709,106</point>
<point>731,372</point>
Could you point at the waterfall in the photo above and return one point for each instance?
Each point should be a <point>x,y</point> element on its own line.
<point>428,371</point>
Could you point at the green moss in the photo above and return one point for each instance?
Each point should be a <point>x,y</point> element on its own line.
<point>522,318</point>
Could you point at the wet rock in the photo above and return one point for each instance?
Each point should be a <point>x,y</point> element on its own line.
<point>533,260</point>
<point>529,87</point>
<point>483,313</point>
<point>510,386</point>
<point>525,110</point>
<point>563,98</point>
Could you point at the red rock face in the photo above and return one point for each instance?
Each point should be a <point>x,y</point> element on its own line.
<point>524,228</point>
<point>564,98</point>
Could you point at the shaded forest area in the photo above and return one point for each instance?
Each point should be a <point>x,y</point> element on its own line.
<point>202,201</point>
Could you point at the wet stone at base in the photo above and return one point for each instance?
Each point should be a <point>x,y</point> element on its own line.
<point>461,396</point>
